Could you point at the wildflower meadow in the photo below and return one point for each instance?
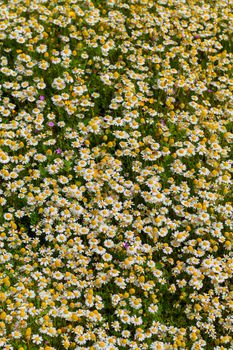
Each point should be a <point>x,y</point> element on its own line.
<point>116,162</point>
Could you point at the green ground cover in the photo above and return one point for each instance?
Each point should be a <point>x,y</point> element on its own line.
<point>116,155</point>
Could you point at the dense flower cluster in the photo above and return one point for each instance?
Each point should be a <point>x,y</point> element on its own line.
<point>116,136</point>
